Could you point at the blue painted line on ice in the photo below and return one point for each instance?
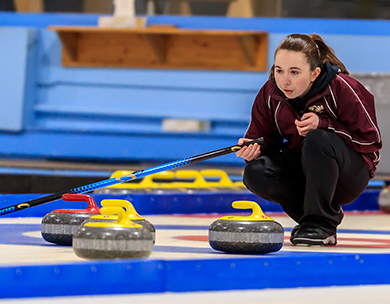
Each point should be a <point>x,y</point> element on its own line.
<point>13,234</point>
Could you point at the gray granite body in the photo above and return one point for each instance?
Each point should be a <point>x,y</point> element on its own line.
<point>59,227</point>
<point>111,243</point>
<point>246,237</point>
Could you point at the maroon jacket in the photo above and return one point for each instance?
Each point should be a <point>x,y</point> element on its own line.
<point>344,107</point>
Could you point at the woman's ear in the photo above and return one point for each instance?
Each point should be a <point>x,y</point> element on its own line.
<point>315,73</point>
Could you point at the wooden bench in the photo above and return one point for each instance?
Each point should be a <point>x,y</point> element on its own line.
<point>163,47</point>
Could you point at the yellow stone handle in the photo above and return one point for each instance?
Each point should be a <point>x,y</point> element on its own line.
<point>120,173</point>
<point>148,181</point>
<point>123,220</point>
<point>130,210</point>
<point>199,181</point>
<point>110,210</point>
<point>257,213</point>
<point>224,180</point>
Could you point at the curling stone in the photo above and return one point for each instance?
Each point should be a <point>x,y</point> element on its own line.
<point>254,234</point>
<point>113,240</point>
<point>132,214</point>
<point>384,200</point>
<point>59,225</point>
<point>218,180</point>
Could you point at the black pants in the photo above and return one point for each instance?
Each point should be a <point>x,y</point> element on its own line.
<point>311,187</point>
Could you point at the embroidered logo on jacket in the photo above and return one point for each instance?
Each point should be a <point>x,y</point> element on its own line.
<point>316,109</point>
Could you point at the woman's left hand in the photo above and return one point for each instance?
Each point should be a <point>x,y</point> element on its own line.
<point>309,121</point>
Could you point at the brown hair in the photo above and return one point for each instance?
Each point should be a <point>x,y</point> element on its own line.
<point>315,49</point>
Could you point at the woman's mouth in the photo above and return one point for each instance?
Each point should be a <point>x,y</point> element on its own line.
<point>288,92</point>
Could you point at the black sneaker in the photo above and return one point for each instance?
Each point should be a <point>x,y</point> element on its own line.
<point>293,231</point>
<point>307,235</point>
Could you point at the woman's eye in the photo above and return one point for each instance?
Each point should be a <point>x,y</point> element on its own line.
<point>295,72</point>
<point>278,71</point>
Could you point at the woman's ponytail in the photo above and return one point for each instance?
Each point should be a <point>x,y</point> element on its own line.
<point>327,53</point>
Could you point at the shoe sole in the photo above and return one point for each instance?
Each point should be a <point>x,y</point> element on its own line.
<point>329,241</point>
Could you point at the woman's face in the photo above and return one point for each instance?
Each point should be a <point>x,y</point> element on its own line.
<point>292,73</point>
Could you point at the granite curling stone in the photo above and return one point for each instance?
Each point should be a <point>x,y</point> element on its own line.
<point>121,239</point>
<point>132,213</point>
<point>59,225</point>
<point>254,234</point>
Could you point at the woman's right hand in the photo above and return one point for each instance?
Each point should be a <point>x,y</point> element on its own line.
<point>250,152</point>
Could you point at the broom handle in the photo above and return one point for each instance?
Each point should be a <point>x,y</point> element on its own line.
<point>127,178</point>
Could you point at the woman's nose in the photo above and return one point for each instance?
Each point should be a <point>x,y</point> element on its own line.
<point>286,80</point>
